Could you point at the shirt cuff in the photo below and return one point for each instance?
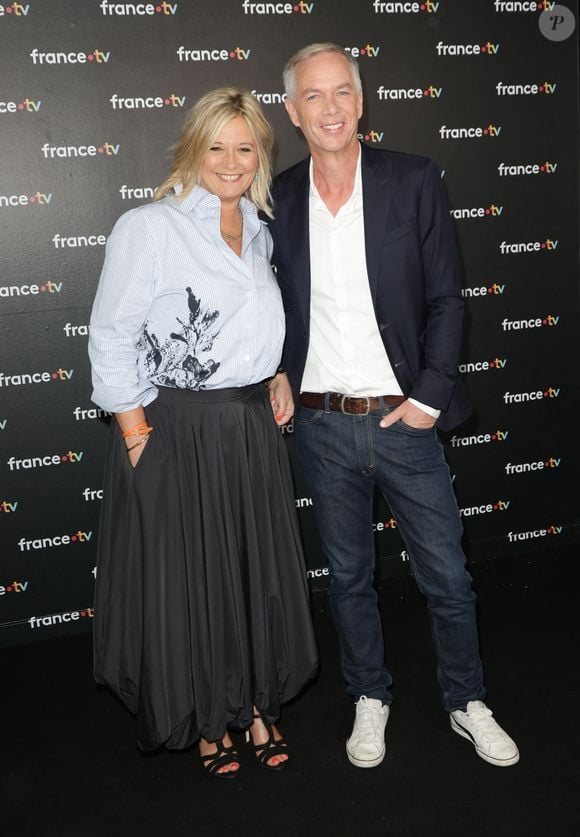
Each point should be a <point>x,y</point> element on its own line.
<point>117,400</point>
<point>429,410</point>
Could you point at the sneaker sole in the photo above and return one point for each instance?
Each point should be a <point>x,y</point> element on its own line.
<point>489,759</point>
<point>365,762</point>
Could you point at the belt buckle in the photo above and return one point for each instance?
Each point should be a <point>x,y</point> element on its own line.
<point>366,398</point>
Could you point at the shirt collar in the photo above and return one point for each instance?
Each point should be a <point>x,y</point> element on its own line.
<point>207,205</point>
<point>356,196</point>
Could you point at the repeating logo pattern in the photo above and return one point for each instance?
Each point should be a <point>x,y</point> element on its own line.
<point>89,124</point>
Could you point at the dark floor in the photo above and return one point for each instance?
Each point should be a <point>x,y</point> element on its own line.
<point>70,766</point>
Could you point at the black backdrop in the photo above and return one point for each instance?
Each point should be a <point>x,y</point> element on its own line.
<point>92,94</point>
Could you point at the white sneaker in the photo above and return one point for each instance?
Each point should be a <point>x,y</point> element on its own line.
<point>491,742</point>
<point>366,745</point>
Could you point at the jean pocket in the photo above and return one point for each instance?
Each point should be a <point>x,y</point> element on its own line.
<point>417,431</point>
<point>307,415</point>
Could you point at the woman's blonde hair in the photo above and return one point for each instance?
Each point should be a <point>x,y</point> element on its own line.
<point>203,124</point>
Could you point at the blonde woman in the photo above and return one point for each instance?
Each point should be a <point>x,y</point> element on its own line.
<point>202,619</point>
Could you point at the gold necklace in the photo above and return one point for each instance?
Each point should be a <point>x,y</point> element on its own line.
<point>229,237</point>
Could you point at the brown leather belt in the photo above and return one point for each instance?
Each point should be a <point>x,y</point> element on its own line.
<point>353,405</point>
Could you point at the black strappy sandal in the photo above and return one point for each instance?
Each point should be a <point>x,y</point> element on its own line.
<point>222,756</point>
<point>269,748</point>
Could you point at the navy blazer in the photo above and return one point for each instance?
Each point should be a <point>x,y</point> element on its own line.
<point>413,267</point>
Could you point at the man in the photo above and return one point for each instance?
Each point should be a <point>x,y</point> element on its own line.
<point>370,275</point>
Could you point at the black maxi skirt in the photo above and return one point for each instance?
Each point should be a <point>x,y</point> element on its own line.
<point>201,608</point>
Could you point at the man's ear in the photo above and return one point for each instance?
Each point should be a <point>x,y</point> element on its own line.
<point>291,111</point>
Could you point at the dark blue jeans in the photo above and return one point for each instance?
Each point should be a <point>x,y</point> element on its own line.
<point>343,458</point>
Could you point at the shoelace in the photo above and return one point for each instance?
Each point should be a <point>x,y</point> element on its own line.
<point>367,721</point>
<point>484,721</point>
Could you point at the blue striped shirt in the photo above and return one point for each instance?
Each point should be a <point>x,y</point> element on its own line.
<point>177,307</point>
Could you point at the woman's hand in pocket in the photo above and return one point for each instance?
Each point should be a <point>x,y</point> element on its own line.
<point>136,453</point>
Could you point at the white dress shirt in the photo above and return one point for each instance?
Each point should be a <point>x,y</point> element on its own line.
<point>346,353</point>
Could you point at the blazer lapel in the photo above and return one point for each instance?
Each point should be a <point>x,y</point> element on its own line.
<point>299,237</point>
<point>376,199</point>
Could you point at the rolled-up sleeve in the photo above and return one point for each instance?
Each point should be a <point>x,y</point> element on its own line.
<point>122,303</point>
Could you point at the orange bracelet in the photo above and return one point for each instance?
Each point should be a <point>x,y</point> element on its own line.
<point>143,432</point>
<point>133,431</point>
